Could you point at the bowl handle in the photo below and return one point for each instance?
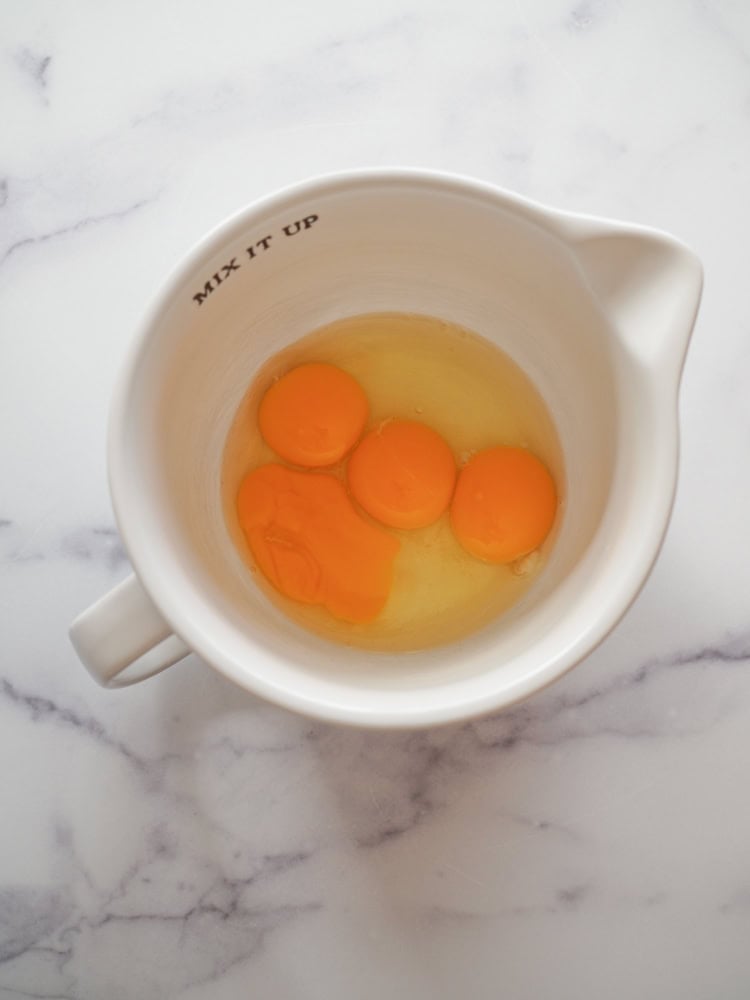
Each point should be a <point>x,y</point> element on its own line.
<point>124,629</point>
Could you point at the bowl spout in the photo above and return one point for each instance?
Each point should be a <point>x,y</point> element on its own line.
<point>647,283</point>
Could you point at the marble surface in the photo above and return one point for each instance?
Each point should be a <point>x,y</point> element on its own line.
<point>182,839</point>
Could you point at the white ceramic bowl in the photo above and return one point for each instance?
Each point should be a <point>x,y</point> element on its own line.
<point>597,313</point>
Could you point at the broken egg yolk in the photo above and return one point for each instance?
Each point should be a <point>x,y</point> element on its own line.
<point>313,415</point>
<point>504,504</point>
<point>402,473</point>
<point>311,543</point>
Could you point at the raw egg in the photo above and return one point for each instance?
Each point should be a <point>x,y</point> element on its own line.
<point>402,473</point>
<point>313,415</point>
<point>504,504</point>
<point>340,469</point>
<point>311,543</point>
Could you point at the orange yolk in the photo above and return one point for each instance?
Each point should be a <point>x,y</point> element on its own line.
<point>504,504</point>
<point>313,415</point>
<point>311,543</point>
<point>403,474</point>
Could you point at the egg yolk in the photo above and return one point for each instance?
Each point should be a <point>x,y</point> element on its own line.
<point>402,473</point>
<point>313,415</point>
<point>504,504</point>
<point>311,543</point>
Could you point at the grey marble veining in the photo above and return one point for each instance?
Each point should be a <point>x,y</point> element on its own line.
<point>183,839</point>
